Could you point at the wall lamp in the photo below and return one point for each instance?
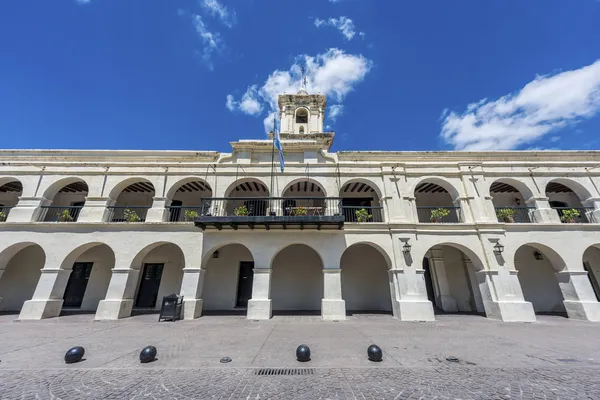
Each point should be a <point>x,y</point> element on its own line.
<point>538,255</point>
<point>498,248</point>
<point>406,248</point>
<point>518,201</point>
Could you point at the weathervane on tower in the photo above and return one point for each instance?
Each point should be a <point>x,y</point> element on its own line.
<point>303,87</point>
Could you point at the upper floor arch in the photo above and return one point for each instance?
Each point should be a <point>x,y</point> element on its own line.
<point>437,200</point>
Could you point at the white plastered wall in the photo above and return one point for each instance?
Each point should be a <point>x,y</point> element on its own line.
<point>297,279</point>
<point>458,282</point>
<point>365,281</point>
<point>538,281</point>
<point>221,277</point>
<point>103,260</point>
<point>20,278</point>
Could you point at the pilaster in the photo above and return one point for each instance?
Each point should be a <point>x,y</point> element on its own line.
<point>410,302</point>
<point>579,298</point>
<point>543,213</point>
<point>332,305</point>
<point>94,209</point>
<point>158,212</point>
<point>447,302</point>
<point>259,306</point>
<point>48,296</point>
<point>119,296</point>
<point>191,289</point>
<point>27,209</point>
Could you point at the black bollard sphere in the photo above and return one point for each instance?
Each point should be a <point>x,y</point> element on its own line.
<point>74,354</point>
<point>148,354</point>
<point>303,353</point>
<point>374,353</point>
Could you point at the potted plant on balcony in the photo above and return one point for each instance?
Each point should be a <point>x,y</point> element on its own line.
<point>438,214</point>
<point>570,216</point>
<point>2,216</point>
<point>300,211</point>
<point>131,216</point>
<point>65,216</point>
<point>241,211</point>
<point>362,215</point>
<point>506,214</point>
<point>190,215</point>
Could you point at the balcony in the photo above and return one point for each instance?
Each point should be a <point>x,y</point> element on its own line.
<point>127,213</point>
<point>440,215</point>
<point>570,215</point>
<point>362,214</point>
<point>511,215</point>
<point>4,211</point>
<point>59,213</point>
<point>278,212</point>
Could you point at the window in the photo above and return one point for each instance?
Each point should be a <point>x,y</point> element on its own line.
<point>301,129</point>
<point>302,116</point>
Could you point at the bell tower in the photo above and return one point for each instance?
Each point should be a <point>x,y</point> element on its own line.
<point>302,113</point>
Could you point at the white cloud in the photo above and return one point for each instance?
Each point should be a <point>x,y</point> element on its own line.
<point>344,24</point>
<point>333,73</point>
<point>212,41</point>
<point>544,105</point>
<point>83,1</point>
<point>335,111</point>
<point>231,104</point>
<point>217,9</point>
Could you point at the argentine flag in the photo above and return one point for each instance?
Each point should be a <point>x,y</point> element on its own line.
<point>277,143</point>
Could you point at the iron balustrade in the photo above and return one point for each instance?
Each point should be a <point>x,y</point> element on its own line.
<point>127,213</point>
<point>583,215</point>
<point>59,213</point>
<point>269,206</point>
<point>435,214</point>
<point>188,213</point>
<point>356,214</point>
<point>515,214</point>
<point>4,211</point>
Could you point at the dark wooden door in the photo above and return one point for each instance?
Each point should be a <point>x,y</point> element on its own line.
<point>149,285</point>
<point>245,279</point>
<point>428,281</point>
<point>77,284</point>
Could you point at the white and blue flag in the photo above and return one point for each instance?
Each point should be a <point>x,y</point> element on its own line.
<point>277,143</point>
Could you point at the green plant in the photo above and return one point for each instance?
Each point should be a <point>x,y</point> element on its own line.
<point>438,214</point>
<point>240,211</point>
<point>2,216</point>
<point>131,216</point>
<point>190,215</point>
<point>300,211</point>
<point>362,215</point>
<point>570,215</point>
<point>506,214</point>
<point>65,216</point>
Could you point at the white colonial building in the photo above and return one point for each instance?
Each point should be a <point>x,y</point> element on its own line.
<point>504,234</point>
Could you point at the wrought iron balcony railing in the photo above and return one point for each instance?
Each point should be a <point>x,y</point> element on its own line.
<point>4,211</point>
<point>127,213</point>
<point>188,213</point>
<point>515,214</point>
<point>569,215</point>
<point>59,213</point>
<point>437,214</point>
<point>362,214</point>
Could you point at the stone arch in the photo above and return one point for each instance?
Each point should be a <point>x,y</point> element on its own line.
<point>251,193</point>
<point>63,200</point>
<point>160,267</point>
<point>348,185</point>
<point>537,266</point>
<point>11,189</point>
<point>509,198</point>
<point>577,188</point>
<point>91,267</point>
<point>223,288</point>
<point>304,185</point>
<point>386,256</point>
<point>55,187</point>
<point>591,264</point>
<point>248,186</point>
<point>365,280</point>
<point>436,200</point>
<point>20,270</point>
<point>296,279</point>
<point>118,189</point>
<point>358,194</point>
<point>187,198</point>
<point>512,185</point>
<point>443,183</point>
<point>450,272</point>
<point>189,184</point>
<point>301,115</point>
<point>131,196</point>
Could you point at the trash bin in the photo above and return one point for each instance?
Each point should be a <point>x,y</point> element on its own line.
<point>171,308</point>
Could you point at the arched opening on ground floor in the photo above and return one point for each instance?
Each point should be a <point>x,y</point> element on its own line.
<point>228,279</point>
<point>450,280</point>
<point>89,279</point>
<point>161,272</point>
<point>365,280</point>
<point>297,280</point>
<point>20,266</point>
<point>536,266</point>
<point>591,264</point>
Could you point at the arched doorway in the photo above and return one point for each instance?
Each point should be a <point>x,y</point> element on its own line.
<point>537,266</point>
<point>20,266</point>
<point>591,264</point>
<point>510,202</point>
<point>160,274</point>
<point>365,280</point>
<point>10,191</point>
<point>66,198</point>
<point>297,280</point>
<point>436,202</point>
<point>360,202</point>
<point>131,201</point>
<point>228,279</point>
<point>450,279</point>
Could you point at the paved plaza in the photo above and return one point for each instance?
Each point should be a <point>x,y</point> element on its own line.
<point>555,358</point>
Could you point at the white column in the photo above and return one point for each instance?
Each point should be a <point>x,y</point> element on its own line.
<point>27,209</point>
<point>580,300</point>
<point>119,297</point>
<point>191,290</point>
<point>259,306</point>
<point>464,214</point>
<point>593,216</point>
<point>543,213</point>
<point>48,296</point>
<point>474,286</point>
<point>332,305</point>
<point>438,268</point>
<point>158,211</point>
<point>411,295</point>
<point>94,209</point>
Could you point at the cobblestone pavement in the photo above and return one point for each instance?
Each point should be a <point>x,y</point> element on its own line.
<point>555,358</point>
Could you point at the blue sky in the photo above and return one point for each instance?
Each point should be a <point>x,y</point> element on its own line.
<point>400,75</point>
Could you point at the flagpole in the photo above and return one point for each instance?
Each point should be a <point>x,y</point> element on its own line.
<point>272,166</point>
